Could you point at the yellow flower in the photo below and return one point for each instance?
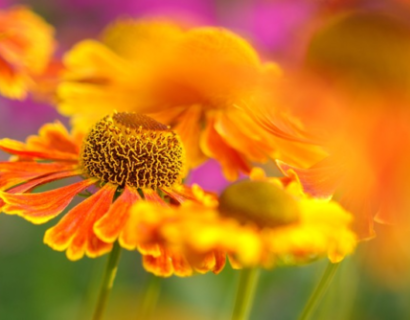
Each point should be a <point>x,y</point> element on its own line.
<point>257,223</point>
<point>200,81</point>
<point>26,46</point>
<point>125,158</point>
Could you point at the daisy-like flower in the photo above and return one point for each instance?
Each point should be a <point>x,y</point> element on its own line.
<point>200,81</point>
<point>265,222</point>
<point>26,47</point>
<point>126,157</point>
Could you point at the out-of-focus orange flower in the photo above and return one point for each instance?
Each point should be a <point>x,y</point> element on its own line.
<point>200,81</point>
<point>26,47</point>
<point>128,157</point>
<point>356,108</point>
<point>259,223</point>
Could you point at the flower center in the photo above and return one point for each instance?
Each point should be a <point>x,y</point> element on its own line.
<point>134,150</point>
<point>260,202</point>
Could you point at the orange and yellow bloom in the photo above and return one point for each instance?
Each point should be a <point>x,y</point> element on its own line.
<point>257,223</point>
<point>126,158</point>
<point>26,48</point>
<point>200,81</point>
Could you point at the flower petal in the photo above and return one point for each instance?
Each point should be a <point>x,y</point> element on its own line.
<point>31,166</point>
<point>75,231</point>
<point>13,173</point>
<point>321,180</point>
<point>214,146</point>
<point>52,143</point>
<point>152,196</point>
<point>39,181</point>
<point>41,207</point>
<point>167,264</point>
<point>111,224</point>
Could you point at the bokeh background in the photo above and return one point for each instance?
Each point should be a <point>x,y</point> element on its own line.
<point>41,284</point>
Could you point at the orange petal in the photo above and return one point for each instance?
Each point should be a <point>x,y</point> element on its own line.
<point>180,265</point>
<point>39,181</point>
<point>110,225</point>
<point>41,207</point>
<point>75,231</point>
<point>220,261</point>
<point>150,249</point>
<point>20,149</point>
<point>174,195</point>
<point>13,173</point>
<point>31,166</point>
<point>152,196</point>
<point>10,179</point>
<point>54,136</point>
<point>214,146</point>
<point>321,180</point>
<point>188,129</point>
<point>167,264</point>
<point>52,143</point>
<point>160,266</point>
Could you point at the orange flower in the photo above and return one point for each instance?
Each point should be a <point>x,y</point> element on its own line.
<point>200,81</point>
<point>257,223</point>
<point>26,46</point>
<point>354,104</point>
<point>128,157</point>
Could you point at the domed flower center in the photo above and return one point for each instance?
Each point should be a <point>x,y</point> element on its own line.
<point>260,202</point>
<point>134,150</point>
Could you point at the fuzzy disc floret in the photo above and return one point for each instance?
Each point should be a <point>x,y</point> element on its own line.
<point>134,150</point>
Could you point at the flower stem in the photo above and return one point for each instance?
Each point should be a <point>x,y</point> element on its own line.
<point>320,290</point>
<point>248,280</point>
<point>150,298</point>
<point>108,281</point>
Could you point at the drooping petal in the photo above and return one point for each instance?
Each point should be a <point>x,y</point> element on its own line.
<point>213,261</point>
<point>190,134</point>
<point>153,197</point>
<point>133,233</point>
<point>13,173</point>
<point>111,224</point>
<point>167,264</point>
<point>181,193</point>
<point>27,186</point>
<point>214,146</point>
<point>321,180</point>
<point>31,166</point>
<point>41,207</point>
<point>75,231</point>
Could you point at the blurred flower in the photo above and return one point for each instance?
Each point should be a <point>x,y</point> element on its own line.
<point>256,223</point>
<point>356,107</point>
<point>26,47</point>
<point>128,157</point>
<point>200,81</point>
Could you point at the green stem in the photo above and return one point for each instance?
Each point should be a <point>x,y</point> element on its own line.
<point>248,280</point>
<point>320,290</point>
<point>150,298</point>
<point>108,281</point>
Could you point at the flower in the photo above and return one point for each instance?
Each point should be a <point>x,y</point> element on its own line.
<point>257,223</point>
<point>26,47</point>
<point>354,104</point>
<point>200,80</point>
<point>126,157</point>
